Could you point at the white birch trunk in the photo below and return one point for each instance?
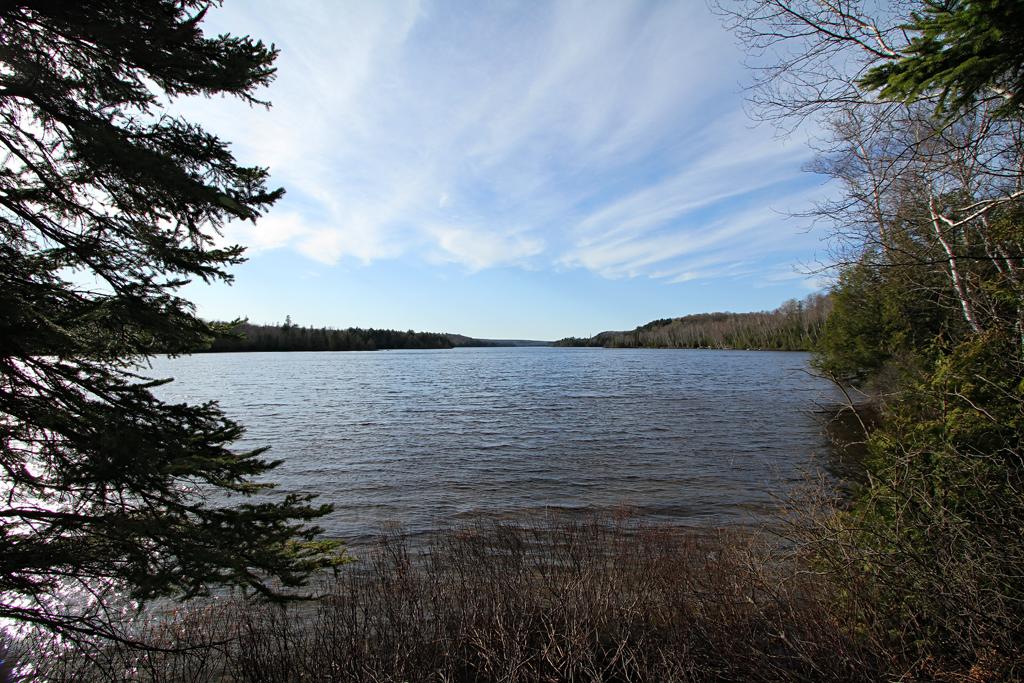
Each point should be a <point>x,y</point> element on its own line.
<point>954,269</point>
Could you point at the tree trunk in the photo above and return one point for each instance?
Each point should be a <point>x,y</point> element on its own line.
<point>959,285</point>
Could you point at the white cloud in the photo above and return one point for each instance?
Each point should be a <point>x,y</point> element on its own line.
<point>610,133</point>
<point>663,232</point>
<point>275,230</point>
<point>478,250</point>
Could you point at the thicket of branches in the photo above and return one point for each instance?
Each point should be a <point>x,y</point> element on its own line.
<point>921,105</point>
<point>551,600</point>
<point>794,326</point>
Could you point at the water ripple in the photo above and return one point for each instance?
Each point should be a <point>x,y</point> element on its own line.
<point>429,437</point>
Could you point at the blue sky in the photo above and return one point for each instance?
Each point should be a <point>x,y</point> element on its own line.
<point>507,169</point>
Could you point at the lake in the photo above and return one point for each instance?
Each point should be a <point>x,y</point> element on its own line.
<point>429,438</point>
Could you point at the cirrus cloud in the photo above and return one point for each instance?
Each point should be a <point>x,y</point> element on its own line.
<point>610,135</point>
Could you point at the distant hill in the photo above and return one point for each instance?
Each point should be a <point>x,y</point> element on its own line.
<point>459,340</point>
<point>793,326</point>
<point>520,342</point>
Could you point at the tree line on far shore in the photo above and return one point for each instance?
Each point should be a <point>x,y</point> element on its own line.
<point>243,336</point>
<point>793,326</point>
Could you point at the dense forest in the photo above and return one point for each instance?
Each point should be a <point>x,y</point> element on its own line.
<point>290,337</point>
<point>794,326</point>
<point>287,336</point>
<point>926,148</point>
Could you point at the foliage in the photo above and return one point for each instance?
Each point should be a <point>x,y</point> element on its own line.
<point>107,206</point>
<point>241,337</point>
<point>794,326</point>
<point>883,320</point>
<point>927,143</point>
<point>962,51</point>
<point>937,538</point>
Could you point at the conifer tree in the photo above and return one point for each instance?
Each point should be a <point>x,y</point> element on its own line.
<point>107,206</point>
<point>961,51</point>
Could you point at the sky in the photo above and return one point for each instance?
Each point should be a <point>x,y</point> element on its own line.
<point>507,169</point>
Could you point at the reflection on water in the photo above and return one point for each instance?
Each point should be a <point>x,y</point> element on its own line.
<point>426,438</point>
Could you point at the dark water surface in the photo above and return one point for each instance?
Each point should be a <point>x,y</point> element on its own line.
<point>426,438</point>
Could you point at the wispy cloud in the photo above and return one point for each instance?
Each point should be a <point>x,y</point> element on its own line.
<point>608,136</point>
<point>478,249</point>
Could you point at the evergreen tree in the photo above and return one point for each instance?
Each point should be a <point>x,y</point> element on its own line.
<point>107,206</point>
<point>962,51</point>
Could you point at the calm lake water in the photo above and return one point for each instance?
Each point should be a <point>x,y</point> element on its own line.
<point>427,438</point>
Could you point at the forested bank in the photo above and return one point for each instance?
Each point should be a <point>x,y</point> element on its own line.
<point>926,144</point>
<point>794,326</point>
<point>245,337</point>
